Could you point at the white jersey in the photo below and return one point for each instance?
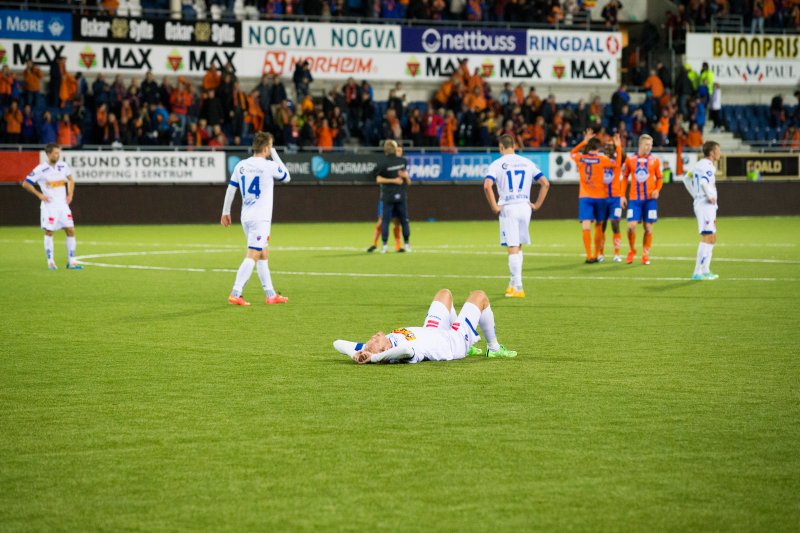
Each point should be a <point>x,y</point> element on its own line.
<point>513,175</point>
<point>431,344</point>
<point>255,178</point>
<point>703,173</point>
<point>52,180</point>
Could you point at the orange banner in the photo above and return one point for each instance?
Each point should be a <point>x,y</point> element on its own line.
<point>14,166</point>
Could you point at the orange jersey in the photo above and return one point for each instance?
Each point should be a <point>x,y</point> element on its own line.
<point>592,168</point>
<point>644,173</point>
<point>613,180</point>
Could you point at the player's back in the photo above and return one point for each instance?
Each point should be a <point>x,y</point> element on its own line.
<point>255,178</point>
<point>591,169</point>
<point>514,175</point>
<point>704,171</point>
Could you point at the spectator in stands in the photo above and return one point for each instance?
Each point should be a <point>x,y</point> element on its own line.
<point>695,138</point>
<point>100,121</point>
<point>684,89</point>
<point>238,110</point>
<point>610,13</point>
<point>46,129</point>
<point>791,138</point>
<point>212,109</point>
<point>308,132</point>
<point>149,89</point>
<point>434,122</point>
<point>13,123</point>
<point>776,114</point>
<point>302,79</point>
<point>68,133</point>
<point>649,107</point>
<point>654,84</point>
<point>757,20</point>
<point>28,127</point>
<point>716,107</point>
<point>255,113</point>
<point>212,79</point>
<point>325,135</point>
<point>447,140</point>
<point>111,132</point>
<point>396,103</point>
<point>391,126</point>
<point>101,90</point>
<point>706,83</point>
<point>55,81</point>
<point>31,84</point>
<point>619,99</point>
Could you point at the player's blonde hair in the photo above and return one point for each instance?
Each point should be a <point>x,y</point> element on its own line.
<point>390,147</point>
<point>645,137</point>
<point>261,140</point>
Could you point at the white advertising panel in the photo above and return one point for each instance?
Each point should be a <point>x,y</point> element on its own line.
<point>144,167</point>
<point>373,38</point>
<point>747,59</point>
<point>574,43</point>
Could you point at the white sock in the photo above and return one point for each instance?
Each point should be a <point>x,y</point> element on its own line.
<point>262,267</point>
<point>701,253</point>
<point>71,245</point>
<point>486,323</point>
<point>515,267</point>
<point>244,273</point>
<point>709,253</point>
<point>48,248</point>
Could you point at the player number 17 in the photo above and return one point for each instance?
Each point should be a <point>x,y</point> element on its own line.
<point>521,174</point>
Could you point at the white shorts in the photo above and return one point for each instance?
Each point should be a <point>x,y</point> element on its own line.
<point>56,217</point>
<point>706,217</point>
<point>460,334</point>
<point>515,220</point>
<point>257,233</point>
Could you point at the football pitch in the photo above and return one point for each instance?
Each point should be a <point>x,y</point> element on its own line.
<point>135,398</point>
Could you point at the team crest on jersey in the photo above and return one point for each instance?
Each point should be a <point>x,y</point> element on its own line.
<point>405,333</point>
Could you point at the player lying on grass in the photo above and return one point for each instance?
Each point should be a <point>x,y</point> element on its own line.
<point>444,337</point>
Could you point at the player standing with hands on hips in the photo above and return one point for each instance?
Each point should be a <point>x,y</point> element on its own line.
<point>254,178</point>
<point>57,190</point>
<point>513,176</point>
<point>701,184</point>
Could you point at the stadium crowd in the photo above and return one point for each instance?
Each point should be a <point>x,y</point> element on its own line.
<point>463,111</point>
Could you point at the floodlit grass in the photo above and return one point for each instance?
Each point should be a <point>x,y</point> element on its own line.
<point>139,399</point>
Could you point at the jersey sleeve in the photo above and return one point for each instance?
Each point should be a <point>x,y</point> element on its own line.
<point>232,181</point>
<point>491,172</point>
<point>33,177</point>
<point>575,153</point>
<point>535,172</point>
<point>67,169</point>
<point>657,174</point>
<point>281,174</point>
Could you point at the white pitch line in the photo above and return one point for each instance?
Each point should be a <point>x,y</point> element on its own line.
<point>405,275</point>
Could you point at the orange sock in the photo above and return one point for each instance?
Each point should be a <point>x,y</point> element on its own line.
<point>599,238</point>
<point>587,243</point>
<point>617,243</point>
<point>648,240</point>
<point>632,239</point>
<point>397,244</point>
<point>377,234</point>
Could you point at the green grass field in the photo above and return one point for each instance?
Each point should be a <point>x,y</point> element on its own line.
<point>138,399</point>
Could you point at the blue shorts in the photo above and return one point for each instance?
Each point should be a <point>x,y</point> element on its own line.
<point>613,208</point>
<point>591,208</point>
<point>646,210</point>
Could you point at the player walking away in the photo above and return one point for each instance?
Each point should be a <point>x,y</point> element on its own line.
<point>379,224</point>
<point>444,337</point>
<point>613,212</point>
<point>392,175</point>
<point>57,190</point>
<point>513,176</point>
<point>593,193</point>
<point>254,178</point>
<point>645,187</point>
<point>701,184</point>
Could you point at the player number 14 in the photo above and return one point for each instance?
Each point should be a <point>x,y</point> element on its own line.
<point>254,188</point>
<point>521,174</point>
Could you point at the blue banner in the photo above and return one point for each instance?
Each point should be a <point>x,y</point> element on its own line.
<point>463,41</point>
<point>35,25</point>
<point>465,166</point>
